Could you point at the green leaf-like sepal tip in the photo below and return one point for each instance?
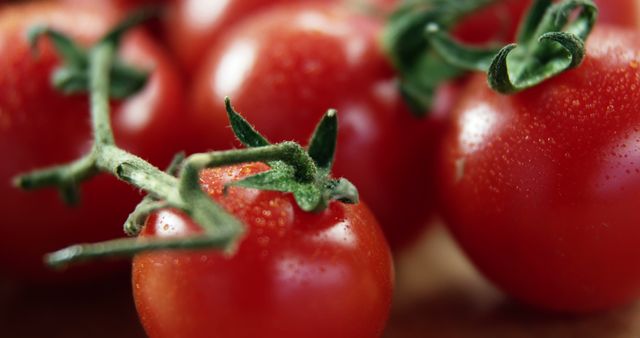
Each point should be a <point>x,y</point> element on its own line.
<point>551,40</point>
<point>242,129</point>
<point>72,76</point>
<point>322,146</point>
<point>310,195</point>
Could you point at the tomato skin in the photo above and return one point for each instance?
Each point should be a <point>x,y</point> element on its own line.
<point>625,13</point>
<point>498,22</point>
<point>283,77</point>
<point>541,188</point>
<point>192,26</point>
<point>295,274</point>
<point>40,127</point>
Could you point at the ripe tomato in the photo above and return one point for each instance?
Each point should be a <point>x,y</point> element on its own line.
<point>497,22</point>
<point>286,66</point>
<point>295,274</point>
<point>625,13</point>
<point>193,26</point>
<point>41,127</point>
<point>540,188</point>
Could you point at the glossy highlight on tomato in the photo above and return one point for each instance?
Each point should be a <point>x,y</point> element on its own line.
<point>193,26</point>
<point>294,274</point>
<point>40,127</point>
<point>540,188</point>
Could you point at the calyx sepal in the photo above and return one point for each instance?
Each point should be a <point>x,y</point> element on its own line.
<point>421,69</point>
<point>551,40</point>
<point>72,77</point>
<point>306,174</point>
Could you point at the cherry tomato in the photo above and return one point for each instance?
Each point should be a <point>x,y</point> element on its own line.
<point>540,188</point>
<point>192,26</point>
<point>285,67</point>
<point>295,274</point>
<point>41,127</point>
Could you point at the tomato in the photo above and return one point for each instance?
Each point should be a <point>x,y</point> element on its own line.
<point>286,66</point>
<point>498,22</point>
<point>41,127</point>
<point>192,26</point>
<point>295,274</point>
<point>540,188</point>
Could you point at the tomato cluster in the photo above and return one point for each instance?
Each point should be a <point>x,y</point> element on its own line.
<point>538,187</point>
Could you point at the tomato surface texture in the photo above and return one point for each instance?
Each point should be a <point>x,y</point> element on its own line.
<point>41,127</point>
<point>294,274</point>
<point>541,188</point>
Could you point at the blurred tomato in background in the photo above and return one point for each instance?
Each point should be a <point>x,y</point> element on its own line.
<point>42,127</point>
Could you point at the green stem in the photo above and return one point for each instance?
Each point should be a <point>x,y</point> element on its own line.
<point>138,172</point>
<point>551,41</point>
<point>134,223</point>
<point>66,177</point>
<point>420,68</point>
<point>101,59</point>
<point>289,152</point>
<point>126,247</point>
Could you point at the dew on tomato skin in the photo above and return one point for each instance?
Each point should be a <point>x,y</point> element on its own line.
<point>263,240</point>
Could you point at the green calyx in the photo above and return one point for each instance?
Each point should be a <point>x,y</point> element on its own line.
<point>304,173</point>
<point>420,67</point>
<point>551,40</point>
<point>73,76</point>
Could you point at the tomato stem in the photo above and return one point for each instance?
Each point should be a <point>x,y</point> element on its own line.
<point>550,41</point>
<point>421,69</point>
<point>101,59</point>
<point>126,247</point>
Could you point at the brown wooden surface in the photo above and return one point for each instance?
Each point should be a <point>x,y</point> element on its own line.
<point>438,295</point>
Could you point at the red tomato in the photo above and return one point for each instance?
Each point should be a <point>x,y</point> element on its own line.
<point>286,67</point>
<point>295,274</point>
<point>498,22</point>
<point>620,12</point>
<point>192,26</point>
<point>41,127</point>
<point>541,188</point>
